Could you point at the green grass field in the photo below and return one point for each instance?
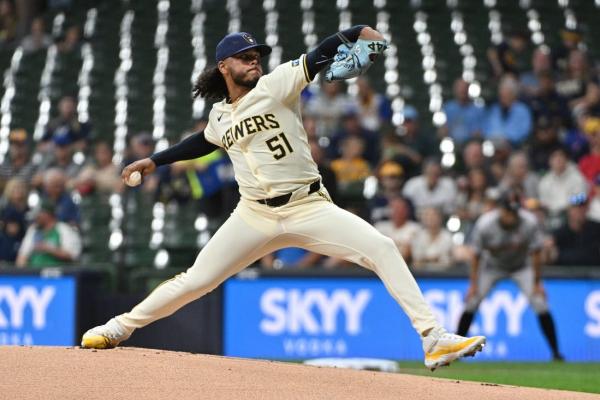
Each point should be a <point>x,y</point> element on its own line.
<point>582,377</point>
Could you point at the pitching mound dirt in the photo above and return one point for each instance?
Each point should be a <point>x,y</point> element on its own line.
<point>130,373</point>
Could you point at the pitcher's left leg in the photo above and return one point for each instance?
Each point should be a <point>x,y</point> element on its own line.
<point>327,229</point>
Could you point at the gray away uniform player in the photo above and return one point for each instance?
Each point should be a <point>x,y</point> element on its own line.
<point>507,242</point>
<point>283,202</point>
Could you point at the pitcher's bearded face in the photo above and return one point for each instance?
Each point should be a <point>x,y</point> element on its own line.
<point>245,68</point>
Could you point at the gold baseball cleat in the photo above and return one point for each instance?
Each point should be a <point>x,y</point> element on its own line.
<point>105,336</point>
<point>441,347</point>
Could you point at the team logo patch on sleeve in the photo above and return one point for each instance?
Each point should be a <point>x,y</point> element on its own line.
<point>295,63</point>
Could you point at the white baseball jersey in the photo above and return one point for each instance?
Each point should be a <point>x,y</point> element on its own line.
<point>267,144</point>
<point>264,136</point>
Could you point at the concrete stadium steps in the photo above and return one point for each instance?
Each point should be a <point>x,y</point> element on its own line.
<point>5,59</point>
<point>139,77</point>
<point>94,228</point>
<point>105,47</point>
<point>25,104</point>
<point>448,57</point>
<point>413,88</point>
<point>179,71</point>
<point>291,38</point>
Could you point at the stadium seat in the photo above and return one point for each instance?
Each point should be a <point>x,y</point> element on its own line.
<point>181,237</point>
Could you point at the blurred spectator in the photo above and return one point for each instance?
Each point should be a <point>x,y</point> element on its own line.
<point>575,139</point>
<point>542,65</point>
<point>470,204</point>
<point>399,228</point>
<point>519,178</point>
<point>577,242</point>
<point>544,141</point>
<point>472,158</point>
<point>12,219</point>
<point>509,118</point>
<point>463,116</point>
<point>548,104</point>
<point>71,41</point>
<point>37,38</point>
<point>374,108</point>
<point>589,164</point>
<point>8,23</point>
<point>579,85</point>
<point>101,175</point>
<point>17,164</point>
<point>570,40</point>
<point>48,242</point>
<point>472,155</point>
<point>66,127</point>
<point>327,107</point>
<point>12,231</point>
<point>562,182</point>
<point>327,175</point>
<point>594,207</point>
<point>390,178</point>
<point>502,149</point>
<point>179,181</point>
<point>412,145</point>
<point>310,126</point>
<point>498,170</point>
<point>351,169</point>
<point>61,158</point>
<point>432,246</point>
<point>26,12</point>
<point>510,55</point>
<point>15,195</point>
<point>351,127</point>
<point>206,182</point>
<point>547,224</point>
<point>55,191</point>
<point>431,189</point>
<point>142,146</point>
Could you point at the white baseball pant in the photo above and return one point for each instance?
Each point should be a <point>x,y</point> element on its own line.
<point>254,230</point>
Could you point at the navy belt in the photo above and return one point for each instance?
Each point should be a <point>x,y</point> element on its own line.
<point>285,198</point>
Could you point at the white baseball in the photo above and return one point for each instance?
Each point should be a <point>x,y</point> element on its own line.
<point>134,179</point>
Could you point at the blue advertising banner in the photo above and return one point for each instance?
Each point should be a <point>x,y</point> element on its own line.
<point>301,318</point>
<point>37,311</point>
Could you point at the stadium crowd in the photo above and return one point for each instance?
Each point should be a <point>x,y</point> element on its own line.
<point>539,135</point>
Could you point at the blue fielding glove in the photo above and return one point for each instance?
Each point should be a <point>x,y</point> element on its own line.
<point>354,59</point>
<point>342,51</point>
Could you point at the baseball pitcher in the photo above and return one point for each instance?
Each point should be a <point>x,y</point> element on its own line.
<point>283,201</point>
<point>507,242</point>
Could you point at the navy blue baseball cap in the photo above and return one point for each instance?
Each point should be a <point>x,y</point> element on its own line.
<point>236,43</point>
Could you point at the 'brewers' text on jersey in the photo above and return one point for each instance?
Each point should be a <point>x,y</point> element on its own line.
<point>264,136</point>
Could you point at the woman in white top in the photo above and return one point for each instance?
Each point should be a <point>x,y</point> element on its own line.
<point>432,245</point>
